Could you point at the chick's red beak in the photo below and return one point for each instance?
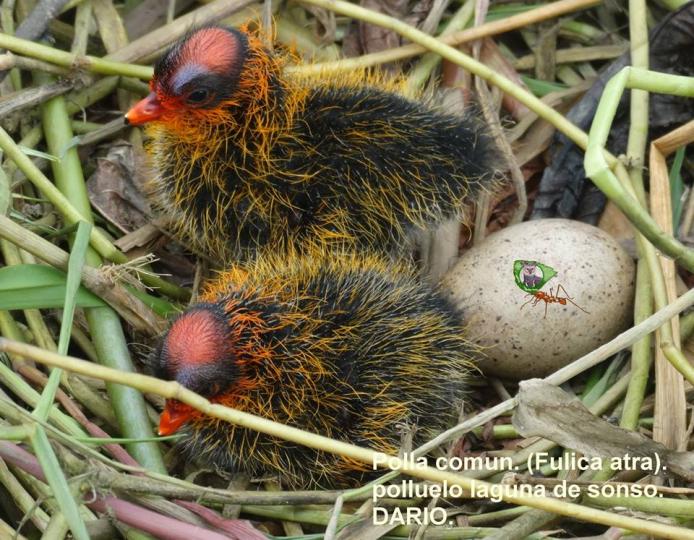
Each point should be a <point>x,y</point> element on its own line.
<point>175,414</point>
<point>145,110</point>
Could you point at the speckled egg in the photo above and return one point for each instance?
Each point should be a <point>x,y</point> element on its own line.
<point>541,294</point>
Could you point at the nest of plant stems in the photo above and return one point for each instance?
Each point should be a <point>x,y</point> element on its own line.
<point>88,280</point>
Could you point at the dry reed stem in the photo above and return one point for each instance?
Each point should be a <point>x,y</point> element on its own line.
<point>670,402</point>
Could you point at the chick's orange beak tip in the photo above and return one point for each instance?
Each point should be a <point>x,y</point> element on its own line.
<point>145,110</point>
<point>174,415</point>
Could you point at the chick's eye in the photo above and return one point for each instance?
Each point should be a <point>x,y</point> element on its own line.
<point>199,97</point>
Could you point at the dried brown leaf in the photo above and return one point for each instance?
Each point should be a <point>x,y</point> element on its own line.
<point>148,15</point>
<point>376,38</point>
<point>113,189</point>
<point>547,411</point>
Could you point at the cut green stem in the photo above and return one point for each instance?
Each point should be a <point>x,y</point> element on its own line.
<point>598,169</point>
<point>104,323</point>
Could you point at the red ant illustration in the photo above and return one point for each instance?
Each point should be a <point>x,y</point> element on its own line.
<point>551,298</point>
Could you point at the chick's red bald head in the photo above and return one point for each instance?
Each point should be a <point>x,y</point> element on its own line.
<point>197,74</point>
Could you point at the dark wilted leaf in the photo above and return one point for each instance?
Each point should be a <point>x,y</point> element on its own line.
<point>363,38</point>
<point>376,38</point>
<point>677,186</point>
<point>564,189</point>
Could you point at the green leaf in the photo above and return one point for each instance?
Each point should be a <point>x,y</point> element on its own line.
<point>594,377</point>
<point>501,12</point>
<point>590,396</point>
<point>35,286</point>
<point>542,88</point>
<point>156,304</point>
<point>37,153</point>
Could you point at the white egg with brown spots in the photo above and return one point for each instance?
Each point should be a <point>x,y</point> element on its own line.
<point>530,321</point>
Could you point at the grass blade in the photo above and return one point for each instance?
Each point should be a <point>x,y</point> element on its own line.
<point>39,440</point>
<point>75,264</point>
<point>78,257</point>
<point>58,483</point>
